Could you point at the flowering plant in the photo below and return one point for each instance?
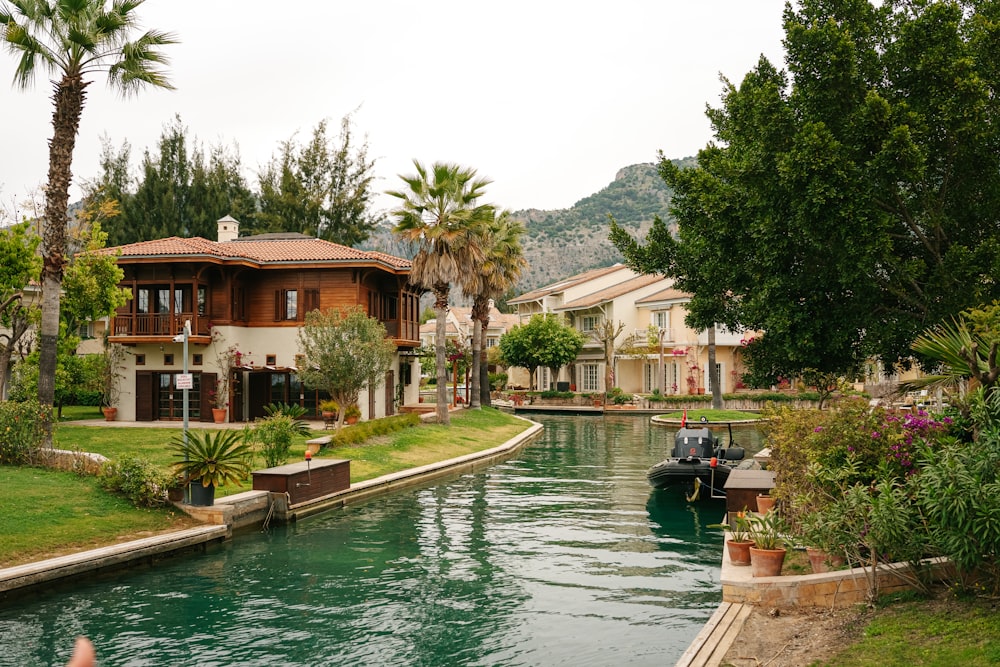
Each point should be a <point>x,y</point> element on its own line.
<point>765,530</point>
<point>739,528</point>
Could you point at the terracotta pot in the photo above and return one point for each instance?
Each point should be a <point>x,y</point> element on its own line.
<point>219,415</point>
<point>764,504</point>
<point>739,552</point>
<point>110,414</point>
<point>350,421</point>
<point>821,561</point>
<point>766,562</point>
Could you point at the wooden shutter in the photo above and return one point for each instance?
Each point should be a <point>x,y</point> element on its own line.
<point>145,398</point>
<point>209,382</point>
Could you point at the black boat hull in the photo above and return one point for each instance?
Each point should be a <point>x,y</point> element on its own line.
<point>681,473</point>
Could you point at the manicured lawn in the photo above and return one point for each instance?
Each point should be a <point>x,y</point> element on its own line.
<point>46,512</point>
<point>712,415</point>
<point>944,631</point>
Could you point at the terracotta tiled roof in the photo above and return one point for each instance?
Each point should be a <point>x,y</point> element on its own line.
<point>669,294</point>
<point>563,285</point>
<point>609,293</point>
<point>263,251</point>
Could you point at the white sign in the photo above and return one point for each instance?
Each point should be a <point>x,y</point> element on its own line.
<point>184,381</point>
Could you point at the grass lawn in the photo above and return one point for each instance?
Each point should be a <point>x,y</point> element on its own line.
<point>712,415</point>
<point>48,513</point>
<point>942,631</point>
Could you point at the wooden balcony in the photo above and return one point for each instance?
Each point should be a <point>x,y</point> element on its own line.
<point>158,328</point>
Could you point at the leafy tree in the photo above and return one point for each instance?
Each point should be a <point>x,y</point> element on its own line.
<point>503,261</point>
<point>183,190</point>
<point>73,40</point>
<point>605,334</point>
<point>849,202</point>
<point>344,352</point>
<point>439,212</point>
<point>543,342</point>
<point>322,189</point>
<point>91,283</point>
<point>19,265</point>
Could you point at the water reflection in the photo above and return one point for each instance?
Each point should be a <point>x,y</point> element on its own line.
<point>562,555</point>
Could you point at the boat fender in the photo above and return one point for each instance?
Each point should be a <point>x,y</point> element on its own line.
<point>735,454</point>
<point>713,462</point>
<point>697,487</point>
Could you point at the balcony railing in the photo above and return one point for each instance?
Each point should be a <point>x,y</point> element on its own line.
<point>642,335</point>
<point>158,324</point>
<point>402,330</point>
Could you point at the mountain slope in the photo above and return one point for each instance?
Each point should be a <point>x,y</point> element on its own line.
<point>564,242</point>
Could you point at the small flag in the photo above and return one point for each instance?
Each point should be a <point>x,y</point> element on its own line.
<point>684,419</point>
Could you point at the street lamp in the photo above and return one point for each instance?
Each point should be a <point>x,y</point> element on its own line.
<point>185,381</point>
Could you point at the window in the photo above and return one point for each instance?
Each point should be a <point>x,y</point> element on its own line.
<point>286,305</point>
<point>140,360</point>
<point>168,360</point>
<point>492,341</point>
<point>202,301</point>
<point>589,322</point>
<point>589,377</point>
<point>197,360</point>
<point>661,318</point>
<point>270,360</point>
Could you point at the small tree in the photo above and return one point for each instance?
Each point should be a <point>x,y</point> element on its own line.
<point>605,334</point>
<point>344,352</point>
<point>543,341</point>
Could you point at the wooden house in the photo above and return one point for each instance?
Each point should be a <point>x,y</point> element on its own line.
<point>246,299</point>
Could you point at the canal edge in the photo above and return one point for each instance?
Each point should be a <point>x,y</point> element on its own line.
<point>220,524</point>
<point>715,639</point>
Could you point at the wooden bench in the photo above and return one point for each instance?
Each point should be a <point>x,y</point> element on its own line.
<point>313,446</point>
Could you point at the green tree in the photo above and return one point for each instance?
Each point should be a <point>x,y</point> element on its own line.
<point>344,352</point>
<point>183,190</point>
<point>322,189</point>
<point>19,265</point>
<point>503,262</point>
<point>439,213</point>
<point>543,342</point>
<point>848,203</point>
<point>605,334</point>
<point>73,39</point>
<point>91,283</point>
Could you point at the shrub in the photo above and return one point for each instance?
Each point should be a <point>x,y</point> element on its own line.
<point>376,427</point>
<point>21,432</point>
<point>551,393</point>
<point>137,479</point>
<point>274,433</point>
<point>498,381</point>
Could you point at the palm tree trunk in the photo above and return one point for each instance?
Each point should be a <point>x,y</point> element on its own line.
<point>484,366</point>
<point>68,100</point>
<point>477,334</point>
<point>441,291</point>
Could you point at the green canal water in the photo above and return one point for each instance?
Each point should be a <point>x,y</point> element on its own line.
<point>561,556</point>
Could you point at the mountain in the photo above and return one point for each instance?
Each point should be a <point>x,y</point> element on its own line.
<point>560,243</point>
<point>568,241</point>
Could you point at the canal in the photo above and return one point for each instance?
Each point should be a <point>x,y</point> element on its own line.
<point>563,555</point>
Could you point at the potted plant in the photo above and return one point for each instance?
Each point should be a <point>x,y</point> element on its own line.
<point>329,409</point>
<point>227,360</point>
<point>739,542</point>
<point>352,414</point>
<point>210,459</point>
<point>764,503</point>
<point>111,376</point>
<point>768,553</point>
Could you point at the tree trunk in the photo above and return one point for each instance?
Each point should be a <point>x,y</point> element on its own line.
<point>713,371</point>
<point>477,334</point>
<point>441,291</point>
<point>68,99</point>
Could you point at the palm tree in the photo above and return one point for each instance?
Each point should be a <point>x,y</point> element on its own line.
<point>439,213</point>
<point>503,261</point>
<point>71,40</point>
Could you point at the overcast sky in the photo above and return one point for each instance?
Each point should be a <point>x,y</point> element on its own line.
<point>547,99</point>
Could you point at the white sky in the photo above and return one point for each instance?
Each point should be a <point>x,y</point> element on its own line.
<point>548,99</point>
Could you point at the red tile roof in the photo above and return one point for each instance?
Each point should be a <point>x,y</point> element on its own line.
<point>262,251</point>
<point>565,284</point>
<point>610,293</point>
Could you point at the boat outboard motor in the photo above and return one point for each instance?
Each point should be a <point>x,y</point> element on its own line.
<point>697,442</point>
